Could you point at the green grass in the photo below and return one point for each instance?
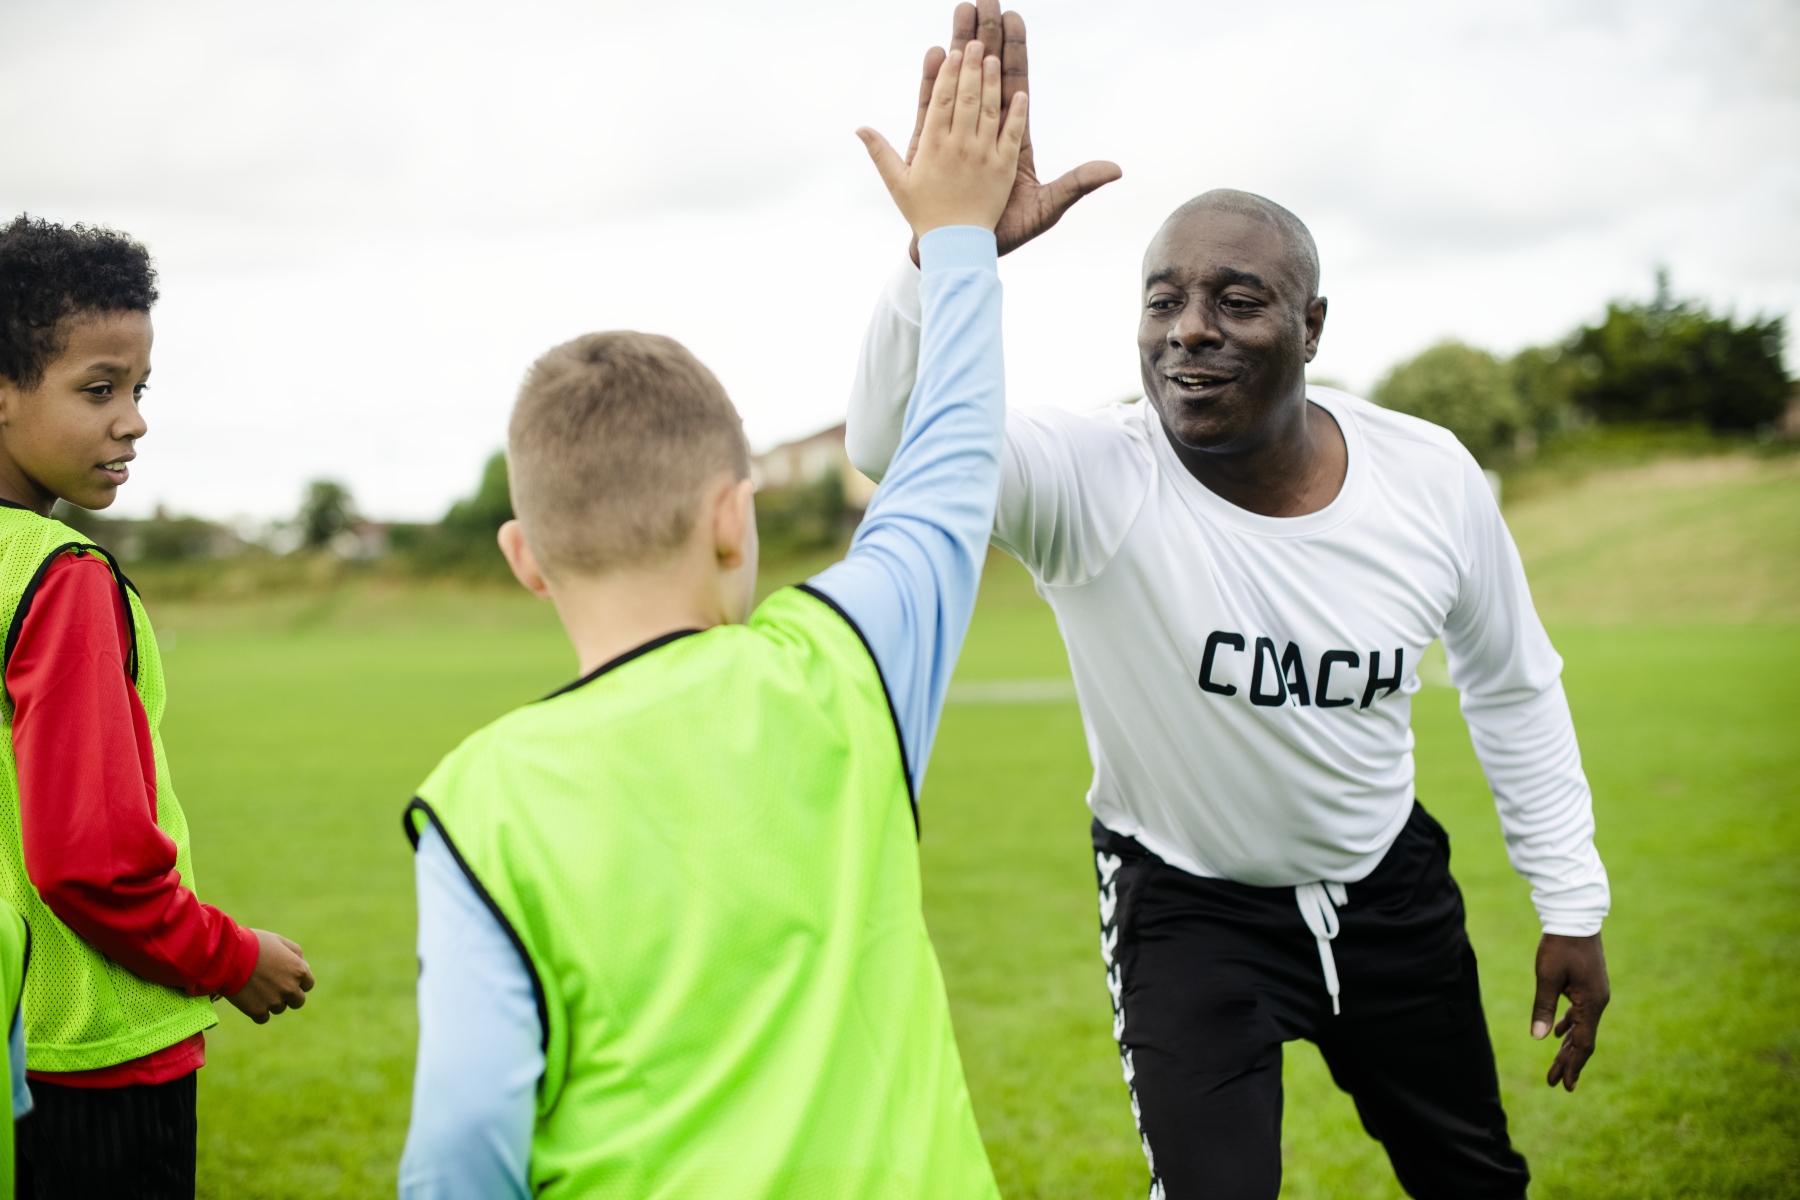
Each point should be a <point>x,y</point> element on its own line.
<point>298,725</point>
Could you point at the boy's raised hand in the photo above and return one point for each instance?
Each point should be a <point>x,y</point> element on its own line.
<point>968,154</point>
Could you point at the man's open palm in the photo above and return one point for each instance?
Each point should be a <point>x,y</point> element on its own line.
<point>1032,207</point>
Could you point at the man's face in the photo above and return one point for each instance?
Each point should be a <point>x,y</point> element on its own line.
<point>1226,328</point>
<point>72,436</point>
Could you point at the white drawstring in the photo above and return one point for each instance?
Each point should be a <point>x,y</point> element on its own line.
<point>1316,901</point>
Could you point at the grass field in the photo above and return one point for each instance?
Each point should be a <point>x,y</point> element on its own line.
<point>299,725</point>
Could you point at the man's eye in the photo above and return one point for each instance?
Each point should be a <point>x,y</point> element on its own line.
<point>1162,303</point>
<point>99,389</point>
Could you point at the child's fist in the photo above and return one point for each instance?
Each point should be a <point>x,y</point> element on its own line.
<point>280,981</point>
<point>968,156</point>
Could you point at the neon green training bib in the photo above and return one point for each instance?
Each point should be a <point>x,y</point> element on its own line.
<point>707,856</point>
<point>82,1009</point>
<point>15,956</point>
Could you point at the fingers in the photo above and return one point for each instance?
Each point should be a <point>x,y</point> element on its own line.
<point>970,78</point>
<point>1061,193</point>
<point>1015,76</point>
<point>943,96</point>
<point>890,166</point>
<point>1012,134</point>
<point>1543,1007</point>
<point>989,127</point>
<point>934,62</point>
<point>291,944</point>
<point>962,26</point>
<point>988,24</point>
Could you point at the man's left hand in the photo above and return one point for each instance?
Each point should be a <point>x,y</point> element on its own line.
<point>1574,967</point>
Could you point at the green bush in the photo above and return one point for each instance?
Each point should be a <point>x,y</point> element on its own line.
<point>798,520</point>
<point>463,542</point>
<point>1674,362</point>
<point>1467,391</point>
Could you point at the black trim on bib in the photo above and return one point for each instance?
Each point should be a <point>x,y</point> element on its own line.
<point>37,579</point>
<point>537,985</point>
<point>912,795</point>
<point>24,970</point>
<point>613,663</point>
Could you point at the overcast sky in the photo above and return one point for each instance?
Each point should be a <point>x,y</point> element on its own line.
<point>371,216</point>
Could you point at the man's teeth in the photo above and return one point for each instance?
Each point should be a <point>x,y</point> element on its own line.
<point>113,466</point>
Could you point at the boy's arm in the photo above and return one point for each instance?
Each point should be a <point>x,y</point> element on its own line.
<point>87,794</point>
<point>910,579</point>
<point>480,1045</point>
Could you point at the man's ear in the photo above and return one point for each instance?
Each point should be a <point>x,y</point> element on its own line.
<point>1315,325</point>
<point>734,511</point>
<point>519,558</point>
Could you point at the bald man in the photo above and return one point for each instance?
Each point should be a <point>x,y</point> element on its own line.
<point>1246,572</point>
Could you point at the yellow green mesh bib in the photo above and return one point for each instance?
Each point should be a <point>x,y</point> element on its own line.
<point>707,857</point>
<point>82,1010</point>
<point>15,953</point>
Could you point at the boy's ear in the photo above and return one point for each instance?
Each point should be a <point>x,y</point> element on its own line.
<point>519,558</point>
<point>734,512</point>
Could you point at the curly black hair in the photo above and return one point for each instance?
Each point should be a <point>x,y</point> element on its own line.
<point>50,271</point>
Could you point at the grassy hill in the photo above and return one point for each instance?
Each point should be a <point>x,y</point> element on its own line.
<point>300,721</point>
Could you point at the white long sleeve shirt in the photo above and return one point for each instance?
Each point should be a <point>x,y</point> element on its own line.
<point>1245,681</point>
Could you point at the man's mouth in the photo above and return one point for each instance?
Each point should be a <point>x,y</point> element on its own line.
<point>118,468</point>
<point>1197,381</point>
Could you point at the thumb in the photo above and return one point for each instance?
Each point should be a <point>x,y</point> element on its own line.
<point>890,165</point>
<point>1064,191</point>
<point>1543,1008</point>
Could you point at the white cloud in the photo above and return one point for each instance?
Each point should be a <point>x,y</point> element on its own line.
<point>370,217</point>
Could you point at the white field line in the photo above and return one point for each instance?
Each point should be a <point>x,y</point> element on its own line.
<point>1012,691</point>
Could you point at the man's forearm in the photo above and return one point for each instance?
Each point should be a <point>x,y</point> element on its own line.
<point>885,374</point>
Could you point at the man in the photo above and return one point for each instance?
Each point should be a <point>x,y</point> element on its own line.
<point>1246,572</point>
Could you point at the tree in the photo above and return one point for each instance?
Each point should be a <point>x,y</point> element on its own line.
<point>1467,391</point>
<point>489,508</point>
<point>1673,361</point>
<point>326,511</point>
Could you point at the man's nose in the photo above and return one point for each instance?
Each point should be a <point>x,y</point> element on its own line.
<point>1194,328</point>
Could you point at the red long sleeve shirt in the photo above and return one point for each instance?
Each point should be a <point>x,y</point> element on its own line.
<point>87,802</point>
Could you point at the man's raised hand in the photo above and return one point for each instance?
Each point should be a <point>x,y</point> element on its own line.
<point>1032,207</point>
<point>967,156</point>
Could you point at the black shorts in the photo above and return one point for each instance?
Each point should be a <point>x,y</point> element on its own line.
<point>1210,977</point>
<point>124,1143</point>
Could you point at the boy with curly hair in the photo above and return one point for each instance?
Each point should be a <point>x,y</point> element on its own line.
<point>93,845</point>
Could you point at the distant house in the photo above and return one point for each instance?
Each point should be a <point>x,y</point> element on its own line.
<point>795,464</point>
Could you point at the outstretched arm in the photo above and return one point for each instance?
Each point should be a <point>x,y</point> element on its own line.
<point>1512,697</point>
<point>910,579</point>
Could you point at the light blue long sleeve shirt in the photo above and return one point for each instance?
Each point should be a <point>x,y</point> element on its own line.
<point>908,584</point>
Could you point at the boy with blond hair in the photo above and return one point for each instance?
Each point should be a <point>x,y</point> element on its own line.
<point>669,916</point>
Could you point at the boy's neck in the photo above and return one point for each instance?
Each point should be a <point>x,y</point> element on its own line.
<point>606,616</point>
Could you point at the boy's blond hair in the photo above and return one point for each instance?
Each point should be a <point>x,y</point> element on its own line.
<point>612,437</point>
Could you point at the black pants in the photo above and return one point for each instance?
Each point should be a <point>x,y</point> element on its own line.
<point>1210,977</point>
<point>128,1143</point>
